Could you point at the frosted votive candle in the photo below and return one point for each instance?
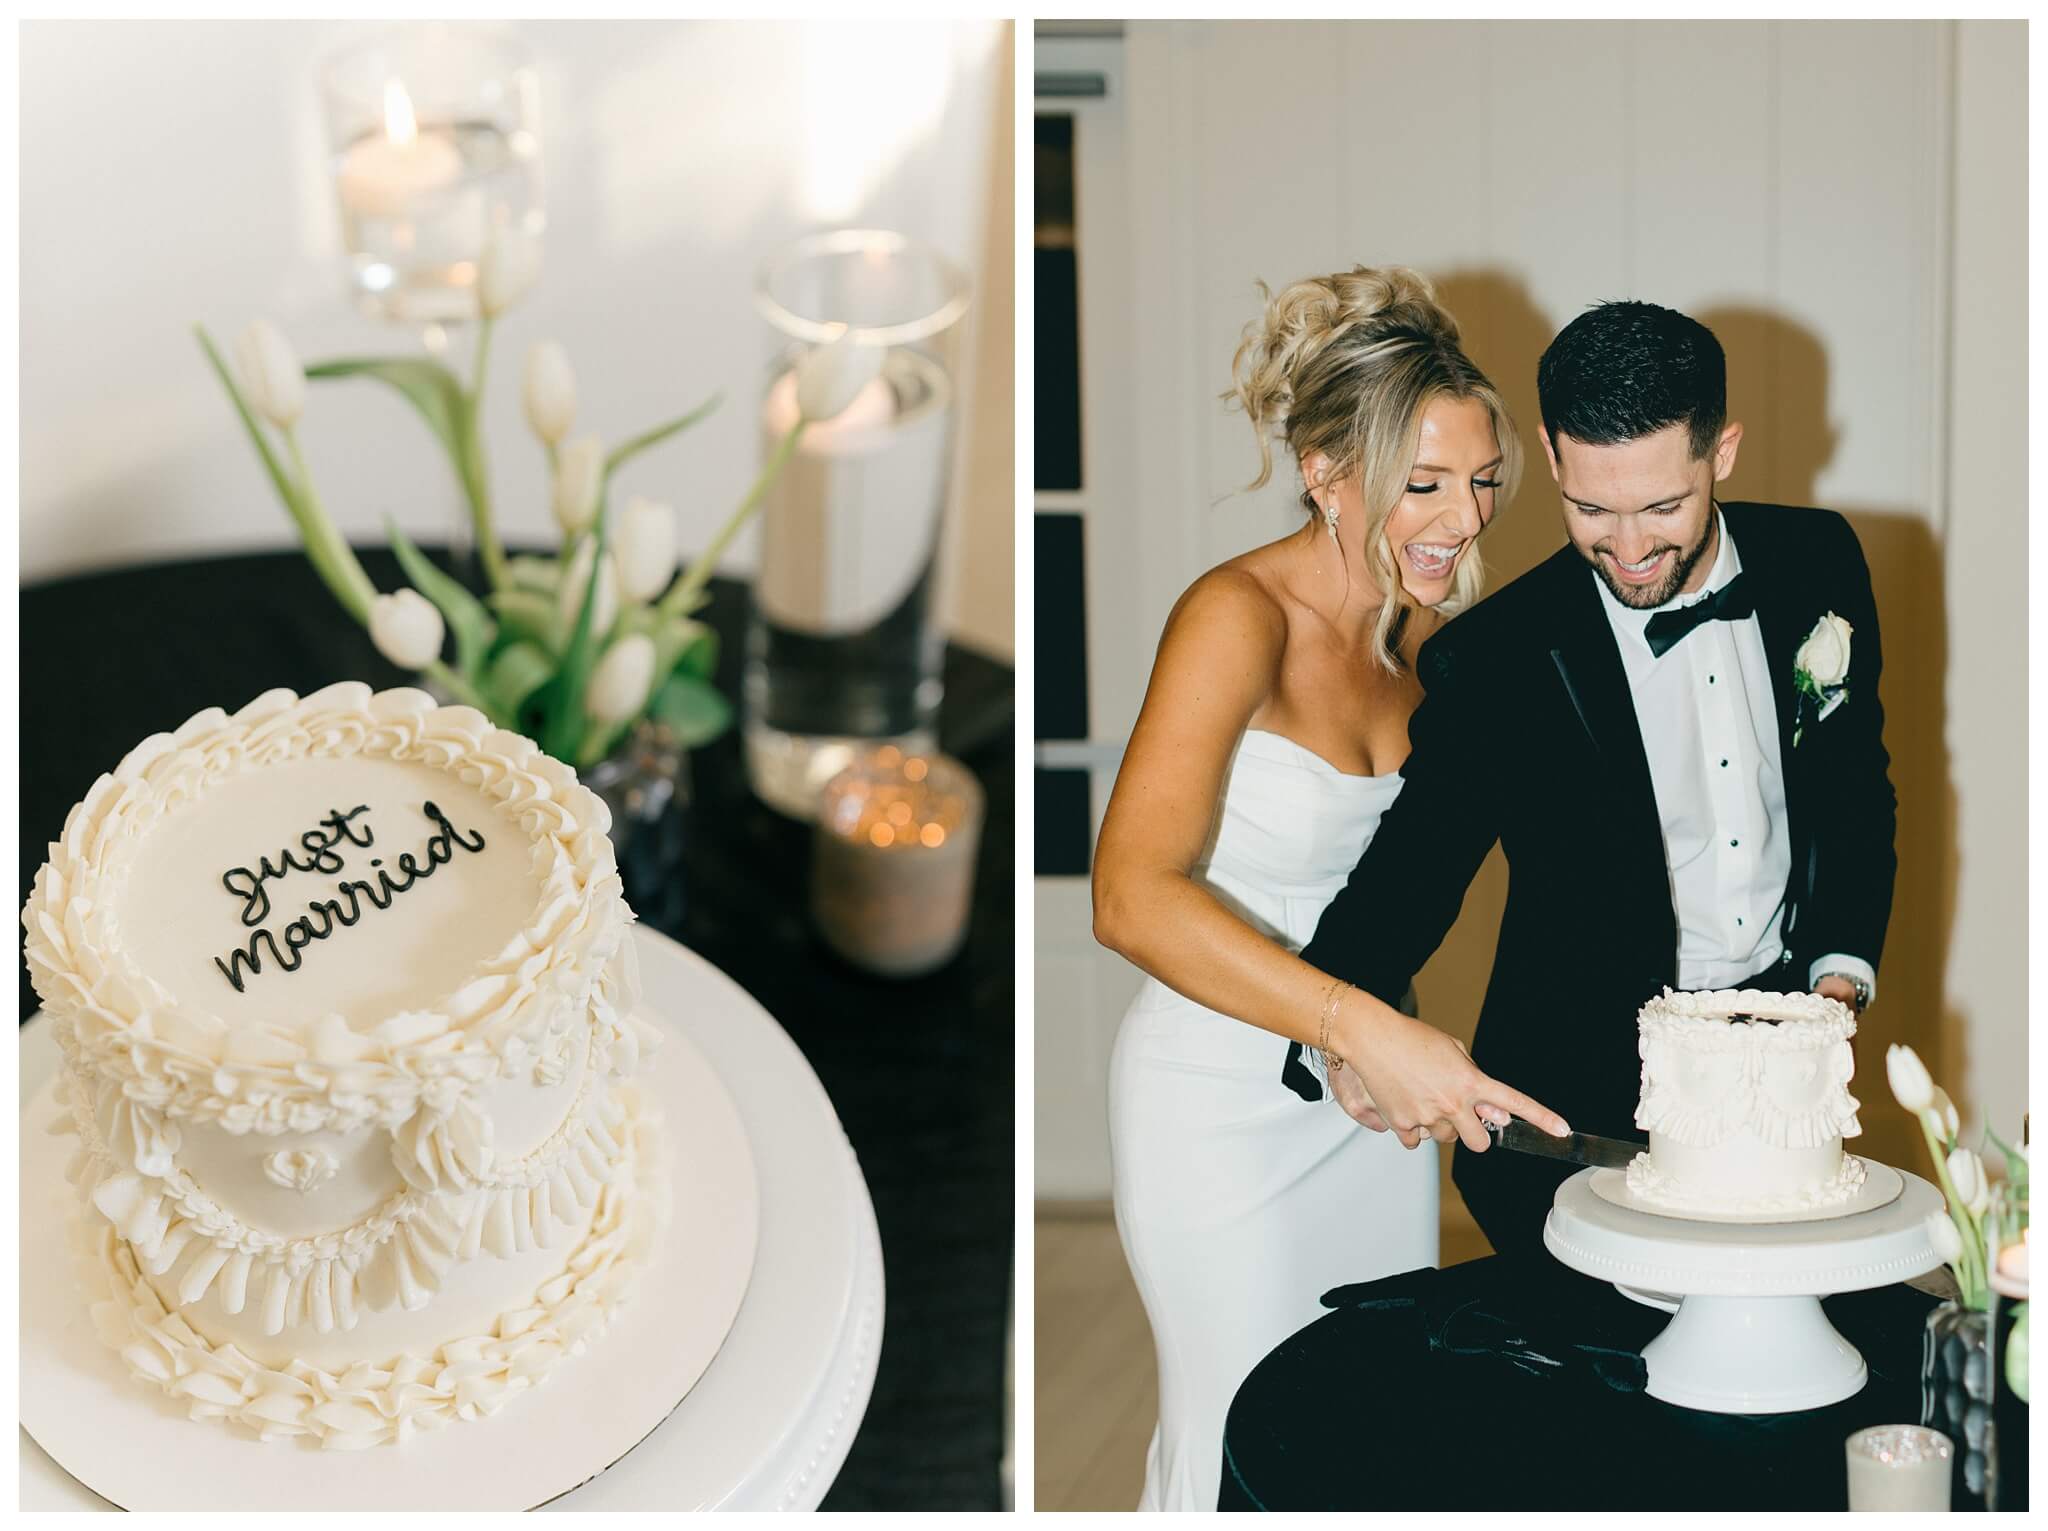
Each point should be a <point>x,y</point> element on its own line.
<point>1899,1467</point>
<point>893,874</point>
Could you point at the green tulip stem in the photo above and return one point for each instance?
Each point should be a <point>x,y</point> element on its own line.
<point>326,549</point>
<point>1970,1263</point>
<point>681,595</point>
<point>476,479</point>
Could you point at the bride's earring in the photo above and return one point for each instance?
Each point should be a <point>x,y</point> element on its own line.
<point>1330,516</point>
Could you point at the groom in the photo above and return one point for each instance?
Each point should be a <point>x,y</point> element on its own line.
<point>1676,743</point>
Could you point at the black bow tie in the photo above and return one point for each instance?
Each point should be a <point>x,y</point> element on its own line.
<point>1731,603</point>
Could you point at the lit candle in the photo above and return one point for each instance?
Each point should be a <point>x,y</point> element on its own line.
<point>382,177</point>
<point>894,871</point>
<point>2009,1276</point>
<point>1899,1467</point>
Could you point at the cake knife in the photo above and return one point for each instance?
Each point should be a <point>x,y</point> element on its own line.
<point>1579,1148</point>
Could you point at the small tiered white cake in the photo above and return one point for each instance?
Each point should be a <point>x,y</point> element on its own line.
<point>344,988</point>
<point>1746,1101</point>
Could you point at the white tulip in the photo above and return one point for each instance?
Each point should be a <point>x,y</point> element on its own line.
<point>1942,1234</point>
<point>622,679</point>
<point>646,542</point>
<point>569,594</point>
<point>506,271</point>
<point>828,379</point>
<point>1911,1085</point>
<point>550,392</point>
<point>579,482</point>
<point>406,629</point>
<point>271,375</point>
<point>1966,1174</point>
<point>1941,1116</point>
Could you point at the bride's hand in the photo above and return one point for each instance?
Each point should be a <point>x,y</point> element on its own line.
<point>1421,1083</point>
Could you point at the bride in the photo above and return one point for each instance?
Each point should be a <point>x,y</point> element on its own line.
<point>1270,743</point>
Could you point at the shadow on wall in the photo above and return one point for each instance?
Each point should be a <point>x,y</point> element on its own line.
<point>1778,388</point>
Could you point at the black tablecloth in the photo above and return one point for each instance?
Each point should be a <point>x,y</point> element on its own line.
<point>1425,1391</point>
<point>920,1072</point>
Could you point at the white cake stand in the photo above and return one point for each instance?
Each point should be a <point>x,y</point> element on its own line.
<point>765,1426</point>
<point>1748,1335</point>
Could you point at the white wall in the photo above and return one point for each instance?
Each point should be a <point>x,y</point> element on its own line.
<point>174,173</point>
<point>1844,203</point>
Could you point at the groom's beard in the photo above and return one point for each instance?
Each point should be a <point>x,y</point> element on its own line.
<point>1647,597</point>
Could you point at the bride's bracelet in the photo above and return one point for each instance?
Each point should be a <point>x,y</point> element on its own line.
<point>1331,1062</point>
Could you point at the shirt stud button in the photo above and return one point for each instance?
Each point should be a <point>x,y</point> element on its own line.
<point>1734,842</point>
<point>1724,760</point>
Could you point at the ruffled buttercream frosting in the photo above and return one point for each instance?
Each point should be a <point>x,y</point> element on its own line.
<point>390,1399</point>
<point>1651,1184</point>
<point>1710,1071</point>
<point>115,1021</point>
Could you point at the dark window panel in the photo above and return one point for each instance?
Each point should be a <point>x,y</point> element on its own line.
<point>1060,611</point>
<point>1061,825</point>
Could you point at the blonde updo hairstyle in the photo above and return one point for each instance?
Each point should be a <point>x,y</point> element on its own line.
<point>1346,365</point>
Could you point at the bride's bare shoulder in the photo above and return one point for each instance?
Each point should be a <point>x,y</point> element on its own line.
<point>1240,598</point>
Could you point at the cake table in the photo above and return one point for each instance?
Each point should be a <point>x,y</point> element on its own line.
<point>1747,1334</point>
<point>765,1425</point>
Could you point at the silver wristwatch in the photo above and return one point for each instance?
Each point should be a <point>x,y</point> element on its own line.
<point>1861,987</point>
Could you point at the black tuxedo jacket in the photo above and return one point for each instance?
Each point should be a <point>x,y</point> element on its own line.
<point>1527,735</point>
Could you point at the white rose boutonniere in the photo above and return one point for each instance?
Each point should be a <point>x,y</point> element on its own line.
<point>1820,671</point>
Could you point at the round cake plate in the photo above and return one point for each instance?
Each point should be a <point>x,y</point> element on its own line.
<point>1749,1335</point>
<point>1880,1188</point>
<point>766,1426</point>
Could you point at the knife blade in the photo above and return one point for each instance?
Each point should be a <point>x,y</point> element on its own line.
<point>1579,1148</point>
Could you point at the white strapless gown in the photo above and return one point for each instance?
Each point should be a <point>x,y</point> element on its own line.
<point>1238,1202</point>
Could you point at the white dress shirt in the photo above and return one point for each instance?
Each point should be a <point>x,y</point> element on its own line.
<point>1710,731</point>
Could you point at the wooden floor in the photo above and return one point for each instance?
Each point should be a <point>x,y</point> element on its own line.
<point>1097,1395</point>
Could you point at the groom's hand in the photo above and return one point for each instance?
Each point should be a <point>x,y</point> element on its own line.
<point>1833,986</point>
<point>1350,1093</point>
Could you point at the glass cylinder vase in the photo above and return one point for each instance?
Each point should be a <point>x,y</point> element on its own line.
<point>842,652</point>
<point>434,137</point>
<point>1955,1397</point>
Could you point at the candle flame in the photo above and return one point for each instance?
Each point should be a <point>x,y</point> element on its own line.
<point>400,126</point>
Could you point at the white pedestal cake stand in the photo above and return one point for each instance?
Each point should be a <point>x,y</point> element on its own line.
<point>765,1426</point>
<point>1748,1335</point>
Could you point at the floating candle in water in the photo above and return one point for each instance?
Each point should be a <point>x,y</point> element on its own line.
<point>383,176</point>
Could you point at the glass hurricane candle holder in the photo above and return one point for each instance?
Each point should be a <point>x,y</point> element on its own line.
<point>892,879</point>
<point>433,133</point>
<point>841,649</point>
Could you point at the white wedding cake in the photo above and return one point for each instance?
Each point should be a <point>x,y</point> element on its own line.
<point>1746,1101</point>
<point>344,990</point>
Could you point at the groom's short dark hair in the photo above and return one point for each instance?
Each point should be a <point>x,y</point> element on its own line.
<point>1624,370</point>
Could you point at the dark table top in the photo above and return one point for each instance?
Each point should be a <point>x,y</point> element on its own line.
<point>1420,1392</point>
<point>921,1072</point>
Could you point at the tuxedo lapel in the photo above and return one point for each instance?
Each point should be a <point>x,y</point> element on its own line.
<point>1589,667</point>
<point>1780,619</point>
<point>1783,620</point>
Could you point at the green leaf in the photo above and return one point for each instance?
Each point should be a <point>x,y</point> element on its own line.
<point>430,387</point>
<point>599,741</point>
<point>640,443</point>
<point>686,646</point>
<point>467,619</point>
<point>527,572</point>
<point>520,669</point>
<point>693,709</point>
<point>2015,1163</point>
<point>564,697</point>
<point>529,616</point>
